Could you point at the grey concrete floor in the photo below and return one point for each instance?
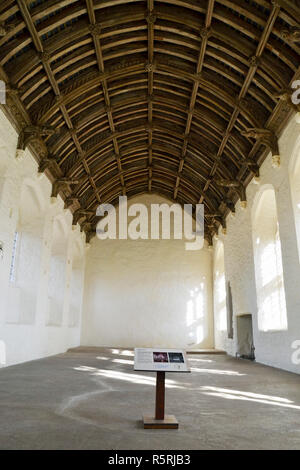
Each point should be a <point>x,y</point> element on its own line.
<point>92,399</point>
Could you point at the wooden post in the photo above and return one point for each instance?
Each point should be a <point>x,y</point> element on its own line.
<point>160,395</point>
<point>160,421</point>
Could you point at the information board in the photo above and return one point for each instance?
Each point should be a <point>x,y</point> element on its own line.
<point>165,360</point>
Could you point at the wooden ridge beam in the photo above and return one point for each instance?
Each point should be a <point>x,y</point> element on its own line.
<point>150,18</point>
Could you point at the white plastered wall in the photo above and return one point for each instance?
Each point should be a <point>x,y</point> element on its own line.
<point>147,293</point>
<point>272,348</point>
<point>25,333</point>
<point>129,282</point>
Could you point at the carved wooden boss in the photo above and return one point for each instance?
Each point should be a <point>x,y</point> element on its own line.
<point>181,98</point>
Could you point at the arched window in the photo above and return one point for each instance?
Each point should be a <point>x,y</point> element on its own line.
<point>220,288</point>
<point>295,190</point>
<point>268,262</point>
<point>26,256</point>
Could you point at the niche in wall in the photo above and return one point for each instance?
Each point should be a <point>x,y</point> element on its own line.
<point>57,274</point>
<point>295,190</point>
<point>229,310</point>
<point>271,303</point>
<point>245,345</point>
<point>220,288</point>
<point>26,257</point>
<point>76,293</point>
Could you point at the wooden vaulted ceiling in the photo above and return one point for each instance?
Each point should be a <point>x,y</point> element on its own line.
<point>120,97</point>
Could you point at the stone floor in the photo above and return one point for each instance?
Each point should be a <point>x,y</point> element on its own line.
<point>92,399</point>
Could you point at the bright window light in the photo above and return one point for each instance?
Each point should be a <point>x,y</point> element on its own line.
<point>268,266</point>
<point>220,289</point>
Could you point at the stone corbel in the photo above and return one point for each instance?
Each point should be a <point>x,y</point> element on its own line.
<point>267,138</point>
<point>236,186</point>
<point>286,95</point>
<point>229,204</point>
<point>47,163</point>
<point>209,239</point>
<point>62,184</point>
<point>12,90</point>
<point>70,201</point>
<point>89,235</point>
<point>212,228</point>
<point>254,169</point>
<point>33,135</point>
<point>80,214</point>
<point>219,218</point>
<point>86,227</point>
<point>20,154</point>
<point>222,221</point>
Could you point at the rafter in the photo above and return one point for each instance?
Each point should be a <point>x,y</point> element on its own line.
<point>44,57</point>
<point>151,18</point>
<point>204,33</point>
<point>95,30</point>
<point>254,64</point>
<point>173,97</point>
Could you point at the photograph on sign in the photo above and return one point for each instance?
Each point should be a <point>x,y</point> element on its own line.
<point>176,357</point>
<point>160,357</point>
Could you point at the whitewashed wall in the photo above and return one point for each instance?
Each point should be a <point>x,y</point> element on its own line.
<point>272,348</point>
<point>25,332</point>
<point>137,293</point>
<point>147,293</point>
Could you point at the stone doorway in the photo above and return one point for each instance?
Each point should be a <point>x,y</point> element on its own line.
<point>245,345</point>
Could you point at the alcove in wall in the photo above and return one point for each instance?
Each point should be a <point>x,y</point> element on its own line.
<point>76,293</point>
<point>244,328</point>
<point>26,256</point>
<point>270,290</point>
<point>57,273</point>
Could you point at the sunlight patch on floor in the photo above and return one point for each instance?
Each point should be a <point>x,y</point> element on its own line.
<point>217,371</point>
<point>124,376</point>
<point>248,396</point>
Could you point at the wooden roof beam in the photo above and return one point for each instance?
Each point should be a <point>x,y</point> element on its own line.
<point>254,63</point>
<point>95,30</point>
<point>151,18</point>
<point>205,32</point>
<point>45,59</point>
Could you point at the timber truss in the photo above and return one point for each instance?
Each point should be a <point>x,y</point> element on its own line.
<point>183,98</point>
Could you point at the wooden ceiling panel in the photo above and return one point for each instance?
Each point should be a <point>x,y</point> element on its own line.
<point>149,96</point>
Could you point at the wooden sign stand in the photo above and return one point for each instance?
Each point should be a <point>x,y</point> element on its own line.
<point>160,421</point>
